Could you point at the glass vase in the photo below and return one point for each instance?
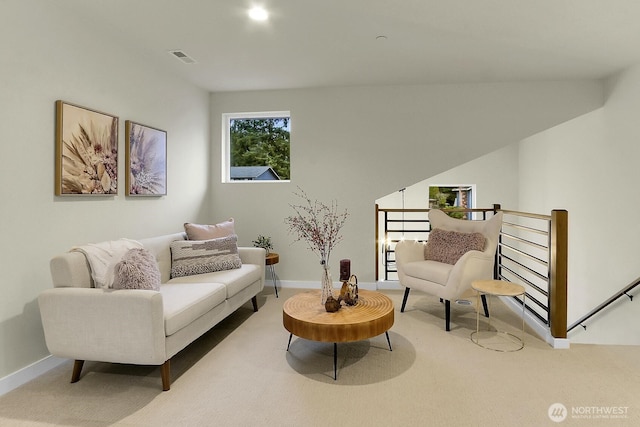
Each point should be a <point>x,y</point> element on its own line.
<point>326,283</point>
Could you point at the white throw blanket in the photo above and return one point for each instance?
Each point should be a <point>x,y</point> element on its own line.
<point>104,256</point>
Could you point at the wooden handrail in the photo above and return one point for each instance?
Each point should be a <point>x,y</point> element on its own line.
<point>606,304</point>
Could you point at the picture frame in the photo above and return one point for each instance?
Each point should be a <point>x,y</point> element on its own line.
<point>145,159</point>
<point>86,153</point>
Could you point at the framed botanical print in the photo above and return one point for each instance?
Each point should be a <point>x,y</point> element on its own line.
<point>146,160</point>
<point>86,151</point>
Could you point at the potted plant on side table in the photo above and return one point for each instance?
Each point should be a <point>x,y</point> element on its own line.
<point>263,242</point>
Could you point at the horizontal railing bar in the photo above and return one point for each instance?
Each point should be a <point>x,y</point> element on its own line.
<point>526,214</point>
<point>524,254</point>
<point>530,270</point>
<point>407,231</point>
<point>529,297</point>
<point>525,228</point>
<point>401,210</point>
<point>525,241</point>
<point>528,282</point>
<point>535,313</point>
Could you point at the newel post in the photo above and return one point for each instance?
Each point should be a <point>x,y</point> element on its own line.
<point>558,259</point>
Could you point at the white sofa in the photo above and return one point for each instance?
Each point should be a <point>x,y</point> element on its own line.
<point>142,327</point>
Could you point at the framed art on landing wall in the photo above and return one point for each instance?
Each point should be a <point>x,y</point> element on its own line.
<point>86,151</point>
<point>146,160</point>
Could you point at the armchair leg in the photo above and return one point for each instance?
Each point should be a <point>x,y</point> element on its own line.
<point>77,369</point>
<point>254,301</point>
<point>447,315</point>
<point>404,300</point>
<point>484,305</point>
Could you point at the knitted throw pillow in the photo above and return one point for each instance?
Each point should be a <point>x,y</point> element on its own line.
<point>448,246</point>
<point>189,257</point>
<point>138,269</point>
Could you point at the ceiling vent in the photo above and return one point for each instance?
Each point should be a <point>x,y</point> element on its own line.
<point>183,56</point>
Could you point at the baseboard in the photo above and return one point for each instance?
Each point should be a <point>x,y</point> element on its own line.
<point>539,328</point>
<point>28,373</point>
<point>370,286</point>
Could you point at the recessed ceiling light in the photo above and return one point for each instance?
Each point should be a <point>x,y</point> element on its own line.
<point>258,14</point>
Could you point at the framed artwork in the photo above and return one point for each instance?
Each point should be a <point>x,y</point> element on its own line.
<point>146,160</point>
<point>86,151</point>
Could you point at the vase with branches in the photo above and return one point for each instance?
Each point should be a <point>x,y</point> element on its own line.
<point>319,225</point>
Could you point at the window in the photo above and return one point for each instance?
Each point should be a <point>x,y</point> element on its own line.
<point>448,197</point>
<point>256,146</point>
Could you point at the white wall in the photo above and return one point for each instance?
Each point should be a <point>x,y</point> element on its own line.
<point>358,144</point>
<point>589,166</point>
<point>50,54</point>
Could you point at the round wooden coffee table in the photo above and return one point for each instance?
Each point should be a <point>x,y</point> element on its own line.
<point>305,317</point>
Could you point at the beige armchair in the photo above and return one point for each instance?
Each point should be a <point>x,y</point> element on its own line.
<point>448,281</point>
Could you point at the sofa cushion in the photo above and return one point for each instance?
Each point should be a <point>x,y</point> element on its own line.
<point>432,271</point>
<point>234,280</point>
<point>448,246</point>
<point>204,256</point>
<point>137,270</point>
<point>207,232</point>
<point>185,302</point>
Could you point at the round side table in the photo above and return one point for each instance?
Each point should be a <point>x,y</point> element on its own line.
<point>271,260</point>
<point>504,341</point>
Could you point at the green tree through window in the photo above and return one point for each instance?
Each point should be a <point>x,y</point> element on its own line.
<point>261,142</point>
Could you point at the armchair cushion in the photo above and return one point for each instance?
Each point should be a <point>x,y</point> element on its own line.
<point>448,246</point>
<point>432,271</point>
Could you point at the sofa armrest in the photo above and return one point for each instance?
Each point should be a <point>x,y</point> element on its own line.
<point>249,255</point>
<point>119,326</point>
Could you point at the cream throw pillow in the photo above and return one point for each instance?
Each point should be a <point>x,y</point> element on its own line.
<point>207,232</point>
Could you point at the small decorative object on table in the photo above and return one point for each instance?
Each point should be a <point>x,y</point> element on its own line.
<point>332,305</point>
<point>345,269</point>
<point>349,291</point>
<point>319,225</point>
<point>263,242</point>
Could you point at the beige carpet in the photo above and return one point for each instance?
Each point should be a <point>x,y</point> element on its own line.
<point>240,374</point>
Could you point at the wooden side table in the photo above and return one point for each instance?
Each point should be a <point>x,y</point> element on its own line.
<point>498,288</point>
<point>271,260</point>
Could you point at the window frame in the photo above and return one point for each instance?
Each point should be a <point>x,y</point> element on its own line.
<point>226,142</point>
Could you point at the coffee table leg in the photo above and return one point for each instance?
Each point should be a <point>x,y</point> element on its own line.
<point>290,335</point>
<point>388,340</point>
<point>335,361</point>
